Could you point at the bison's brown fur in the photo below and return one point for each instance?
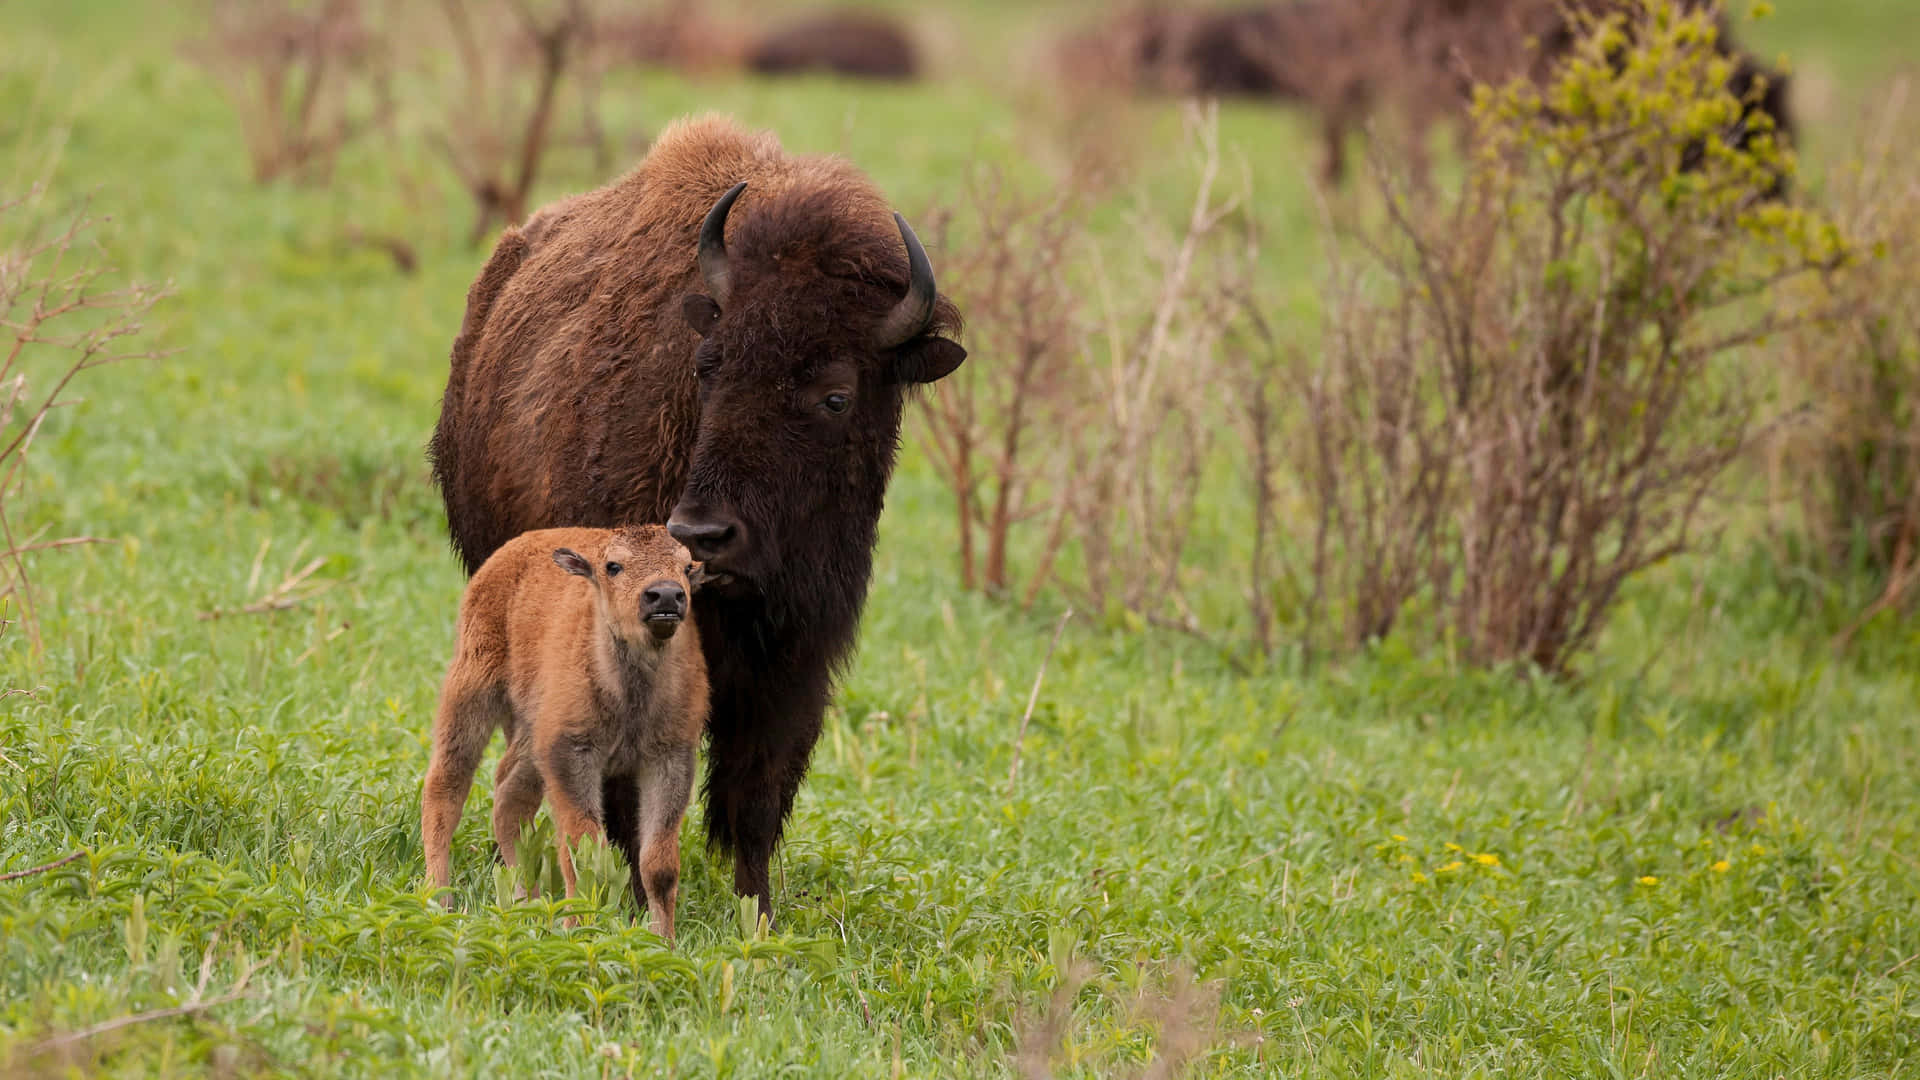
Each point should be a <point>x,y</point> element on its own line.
<point>580,395</point>
<point>602,694</point>
<point>588,298</point>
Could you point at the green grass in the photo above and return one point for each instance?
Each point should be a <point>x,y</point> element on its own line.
<point>1703,857</point>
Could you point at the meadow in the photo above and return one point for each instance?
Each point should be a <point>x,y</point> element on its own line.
<point>1698,857</point>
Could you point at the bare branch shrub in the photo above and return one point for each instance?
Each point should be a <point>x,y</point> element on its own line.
<point>305,79</point>
<point>1092,408</point>
<point>1184,1017</point>
<point>1531,386</point>
<point>59,317</point>
<point>996,429</point>
<point>1854,464</point>
<point>1150,431</point>
<point>514,58</point>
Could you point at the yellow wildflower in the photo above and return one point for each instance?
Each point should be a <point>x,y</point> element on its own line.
<point>1649,880</point>
<point>1449,868</point>
<point>1399,838</point>
<point>1451,846</point>
<point>1758,849</point>
<point>1487,858</point>
<point>1722,866</point>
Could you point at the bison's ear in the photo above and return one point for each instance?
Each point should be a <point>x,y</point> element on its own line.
<point>929,359</point>
<point>701,313</point>
<point>570,561</point>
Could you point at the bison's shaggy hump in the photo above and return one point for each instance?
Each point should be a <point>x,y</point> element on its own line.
<point>580,306</point>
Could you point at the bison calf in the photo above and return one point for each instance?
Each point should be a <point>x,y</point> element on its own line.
<point>602,692</point>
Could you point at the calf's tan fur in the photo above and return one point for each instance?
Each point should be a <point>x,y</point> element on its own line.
<point>577,643</point>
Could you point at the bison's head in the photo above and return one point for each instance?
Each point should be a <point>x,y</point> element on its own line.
<point>811,336</point>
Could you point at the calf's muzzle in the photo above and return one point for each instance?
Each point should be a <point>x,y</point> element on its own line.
<point>662,606</point>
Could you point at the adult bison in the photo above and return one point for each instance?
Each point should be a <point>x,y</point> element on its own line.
<point>857,44</point>
<point>721,340</point>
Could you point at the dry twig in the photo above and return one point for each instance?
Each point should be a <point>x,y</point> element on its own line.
<point>995,429</point>
<point>1013,772</point>
<point>198,1003</point>
<point>43,867</point>
<point>499,174</point>
<point>288,593</point>
<point>291,72</point>
<point>54,304</point>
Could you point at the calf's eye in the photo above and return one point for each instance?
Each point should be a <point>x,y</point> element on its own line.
<point>613,569</point>
<point>836,403</point>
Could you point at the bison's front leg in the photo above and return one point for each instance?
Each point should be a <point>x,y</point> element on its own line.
<point>755,763</point>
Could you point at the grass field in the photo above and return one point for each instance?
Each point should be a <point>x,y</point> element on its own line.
<point>1701,858</point>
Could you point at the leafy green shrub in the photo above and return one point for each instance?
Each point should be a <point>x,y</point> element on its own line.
<point>1527,392</point>
<point>601,875</point>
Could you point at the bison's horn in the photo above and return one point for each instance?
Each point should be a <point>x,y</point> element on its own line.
<point>909,318</point>
<point>713,244</point>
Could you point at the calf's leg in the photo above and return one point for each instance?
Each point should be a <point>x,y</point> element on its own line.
<point>516,798</point>
<point>571,771</point>
<point>462,726</point>
<point>665,783</point>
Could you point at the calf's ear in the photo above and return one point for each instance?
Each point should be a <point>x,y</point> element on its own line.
<point>926,360</point>
<point>701,312</point>
<point>570,561</point>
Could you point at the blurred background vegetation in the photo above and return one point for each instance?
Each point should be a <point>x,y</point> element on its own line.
<point>1300,794</point>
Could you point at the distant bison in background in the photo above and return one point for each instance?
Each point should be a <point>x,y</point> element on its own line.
<point>679,34</point>
<point>1121,52</point>
<point>722,340</point>
<point>859,44</point>
<point>1269,51</point>
<point>1416,59</point>
<point>1257,51</point>
<point>1423,58</point>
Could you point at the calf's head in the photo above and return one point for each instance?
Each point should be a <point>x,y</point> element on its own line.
<point>812,332</point>
<point>642,580</point>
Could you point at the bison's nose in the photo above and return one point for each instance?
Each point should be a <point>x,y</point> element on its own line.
<point>663,600</point>
<point>708,537</point>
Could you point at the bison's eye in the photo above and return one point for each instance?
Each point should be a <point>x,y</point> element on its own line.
<point>613,569</point>
<point>836,403</point>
